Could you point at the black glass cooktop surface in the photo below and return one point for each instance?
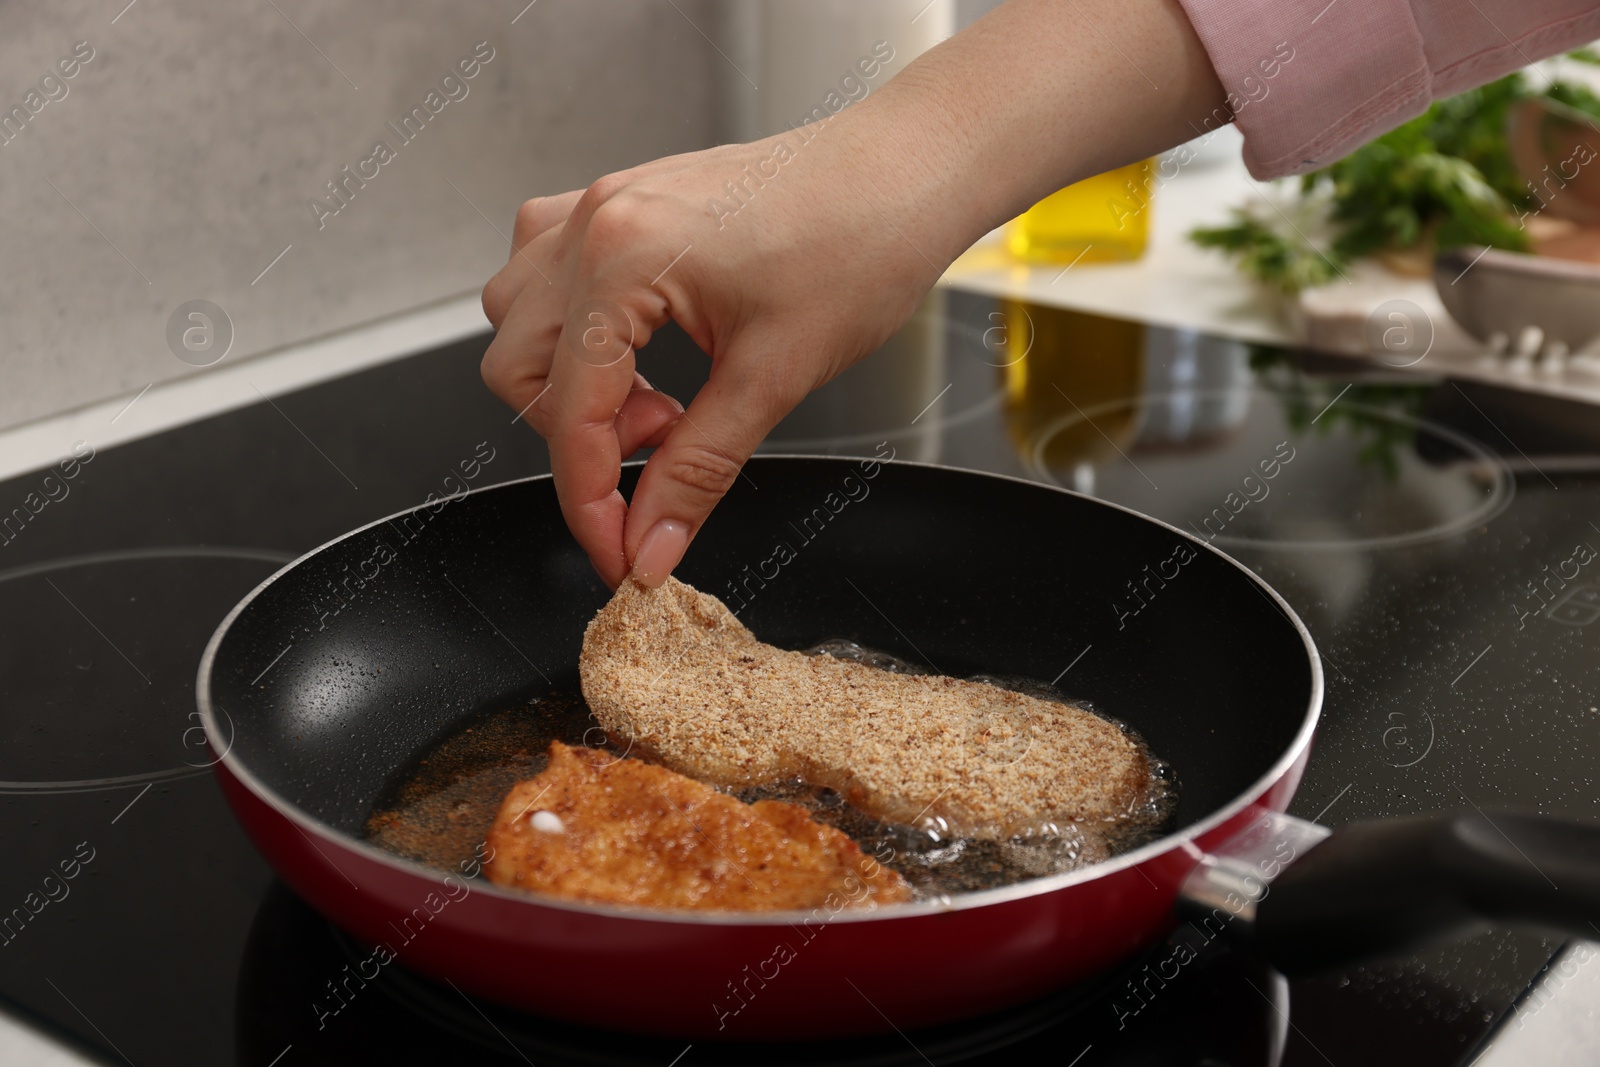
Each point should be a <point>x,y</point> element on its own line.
<point>1438,538</point>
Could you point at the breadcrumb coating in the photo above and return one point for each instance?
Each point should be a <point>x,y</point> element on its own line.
<point>673,673</point>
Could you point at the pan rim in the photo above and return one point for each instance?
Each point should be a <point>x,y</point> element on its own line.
<point>1182,840</point>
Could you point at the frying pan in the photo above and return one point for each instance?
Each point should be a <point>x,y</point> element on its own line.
<point>336,672</point>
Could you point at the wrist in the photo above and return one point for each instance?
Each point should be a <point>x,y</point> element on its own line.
<point>902,151</point>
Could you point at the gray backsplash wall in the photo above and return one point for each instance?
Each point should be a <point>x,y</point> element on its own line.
<point>193,139</point>
<point>178,162</point>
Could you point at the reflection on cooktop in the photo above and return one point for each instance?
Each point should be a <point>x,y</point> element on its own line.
<point>1345,465</point>
<point>1349,476</point>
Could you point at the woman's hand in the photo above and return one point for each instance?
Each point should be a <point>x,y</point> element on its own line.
<point>786,260</point>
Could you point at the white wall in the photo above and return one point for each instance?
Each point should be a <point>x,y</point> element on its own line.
<point>194,138</point>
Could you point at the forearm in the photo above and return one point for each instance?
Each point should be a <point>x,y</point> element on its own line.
<point>1033,97</point>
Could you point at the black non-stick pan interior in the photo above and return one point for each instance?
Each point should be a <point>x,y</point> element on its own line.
<point>345,667</point>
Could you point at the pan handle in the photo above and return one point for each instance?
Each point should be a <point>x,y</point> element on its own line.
<point>1311,901</point>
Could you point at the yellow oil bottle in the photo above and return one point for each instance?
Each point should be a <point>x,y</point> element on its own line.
<point>1105,218</point>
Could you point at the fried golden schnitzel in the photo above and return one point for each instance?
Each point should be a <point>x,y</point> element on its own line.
<point>595,827</point>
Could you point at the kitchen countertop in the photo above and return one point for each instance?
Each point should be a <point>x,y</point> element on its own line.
<point>1179,285</point>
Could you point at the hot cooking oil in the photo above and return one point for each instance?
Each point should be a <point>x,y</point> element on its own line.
<point>1103,218</point>
<point>438,810</point>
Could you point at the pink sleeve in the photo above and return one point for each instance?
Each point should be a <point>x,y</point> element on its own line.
<point>1310,80</point>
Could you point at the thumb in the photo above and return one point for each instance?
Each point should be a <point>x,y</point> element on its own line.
<point>700,459</point>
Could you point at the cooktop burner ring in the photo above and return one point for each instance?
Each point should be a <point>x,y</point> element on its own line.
<point>195,761</point>
<point>1482,466</point>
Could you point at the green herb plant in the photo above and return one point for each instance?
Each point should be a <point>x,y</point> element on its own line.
<point>1442,180</point>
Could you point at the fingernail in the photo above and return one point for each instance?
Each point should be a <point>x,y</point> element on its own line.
<point>663,546</point>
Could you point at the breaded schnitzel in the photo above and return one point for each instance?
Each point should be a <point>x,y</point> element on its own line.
<point>598,828</point>
<point>674,672</point>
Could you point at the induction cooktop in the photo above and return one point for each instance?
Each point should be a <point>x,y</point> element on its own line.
<point>1438,537</point>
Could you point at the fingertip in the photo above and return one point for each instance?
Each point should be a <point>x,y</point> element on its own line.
<point>660,550</point>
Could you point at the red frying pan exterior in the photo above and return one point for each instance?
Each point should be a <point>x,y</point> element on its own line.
<point>743,977</point>
<point>813,978</point>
